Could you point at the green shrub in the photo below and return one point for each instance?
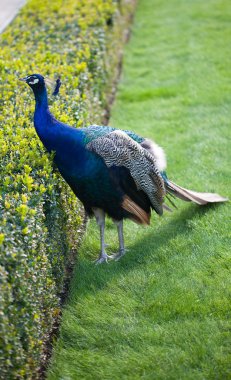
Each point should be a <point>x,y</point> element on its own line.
<point>40,217</point>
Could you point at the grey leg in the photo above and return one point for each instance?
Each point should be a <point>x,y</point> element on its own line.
<point>100,219</point>
<point>122,250</point>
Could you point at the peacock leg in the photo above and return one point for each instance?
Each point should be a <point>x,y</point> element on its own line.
<point>100,219</point>
<point>122,250</point>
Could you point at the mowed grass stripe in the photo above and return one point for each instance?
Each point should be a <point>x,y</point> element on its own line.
<point>163,311</point>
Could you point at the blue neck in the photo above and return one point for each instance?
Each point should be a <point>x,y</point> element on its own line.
<point>55,136</point>
<point>41,97</point>
<point>42,115</point>
<point>41,103</point>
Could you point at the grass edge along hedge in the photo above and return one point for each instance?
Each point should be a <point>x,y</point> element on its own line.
<point>40,217</point>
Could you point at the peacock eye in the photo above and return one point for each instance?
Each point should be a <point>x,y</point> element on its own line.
<point>33,81</point>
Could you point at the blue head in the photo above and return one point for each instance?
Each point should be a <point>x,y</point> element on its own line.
<point>37,83</point>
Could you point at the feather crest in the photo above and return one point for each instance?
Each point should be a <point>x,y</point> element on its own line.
<point>53,84</point>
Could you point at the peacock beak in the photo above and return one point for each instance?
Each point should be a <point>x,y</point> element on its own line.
<point>23,79</point>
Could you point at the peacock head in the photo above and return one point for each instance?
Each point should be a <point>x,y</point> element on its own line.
<point>35,81</point>
<point>38,83</point>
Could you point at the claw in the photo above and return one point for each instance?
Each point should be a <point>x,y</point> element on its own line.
<point>102,259</point>
<point>118,255</point>
<point>115,257</point>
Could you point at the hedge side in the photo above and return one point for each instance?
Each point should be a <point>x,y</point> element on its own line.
<point>40,218</point>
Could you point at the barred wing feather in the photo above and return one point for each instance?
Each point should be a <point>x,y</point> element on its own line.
<point>118,149</point>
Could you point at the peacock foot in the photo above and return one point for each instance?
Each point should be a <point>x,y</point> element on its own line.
<point>118,255</point>
<point>102,259</point>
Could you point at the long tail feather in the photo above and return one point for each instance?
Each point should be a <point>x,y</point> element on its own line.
<point>170,200</point>
<point>194,196</point>
<point>165,207</point>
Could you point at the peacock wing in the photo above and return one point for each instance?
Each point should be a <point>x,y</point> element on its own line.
<point>93,132</point>
<point>118,149</point>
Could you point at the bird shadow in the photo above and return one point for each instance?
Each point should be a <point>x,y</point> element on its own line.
<point>89,278</point>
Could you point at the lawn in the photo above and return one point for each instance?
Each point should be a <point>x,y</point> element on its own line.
<point>163,310</point>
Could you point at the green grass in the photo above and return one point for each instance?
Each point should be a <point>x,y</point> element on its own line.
<point>163,311</point>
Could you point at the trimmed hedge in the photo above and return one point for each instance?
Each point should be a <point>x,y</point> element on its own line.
<point>40,217</point>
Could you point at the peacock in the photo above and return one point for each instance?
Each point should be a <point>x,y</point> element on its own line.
<point>113,172</point>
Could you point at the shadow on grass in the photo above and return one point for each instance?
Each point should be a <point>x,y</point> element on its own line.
<point>89,278</point>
